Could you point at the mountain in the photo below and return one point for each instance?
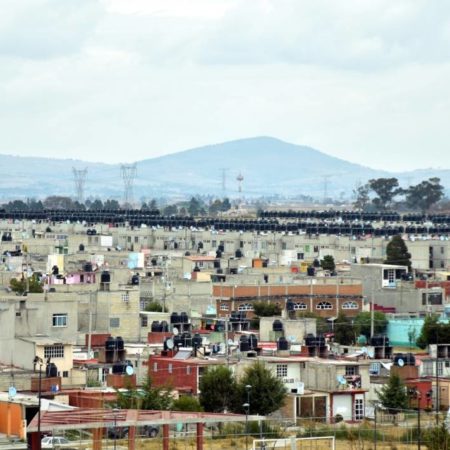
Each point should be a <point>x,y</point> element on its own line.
<point>268,165</point>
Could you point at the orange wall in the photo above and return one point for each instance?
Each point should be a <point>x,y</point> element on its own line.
<point>11,419</point>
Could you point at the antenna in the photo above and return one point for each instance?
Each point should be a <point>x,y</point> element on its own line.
<point>79,178</point>
<point>128,175</point>
<point>325,187</point>
<point>240,179</point>
<point>224,179</point>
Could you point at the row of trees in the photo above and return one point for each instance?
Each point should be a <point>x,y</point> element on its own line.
<point>194,207</point>
<point>382,194</point>
<point>220,391</point>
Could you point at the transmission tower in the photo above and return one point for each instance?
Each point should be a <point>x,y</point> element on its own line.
<point>79,178</point>
<point>224,180</point>
<point>128,176</point>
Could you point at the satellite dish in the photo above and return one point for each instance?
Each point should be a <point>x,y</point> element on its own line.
<point>175,331</point>
<point>12,392</point>
<point>170,344</point>
<point>129,370</point>
<point>341,379</point>
<point>187,276</point>
<point>400,362</point>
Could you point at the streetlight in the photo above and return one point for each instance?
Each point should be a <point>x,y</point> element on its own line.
<point>246,407</point>
<point>40,362</point>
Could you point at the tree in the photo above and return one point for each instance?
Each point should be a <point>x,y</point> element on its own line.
<point>20,286</point>
<point>386,189</point>
<point>397,252</point>
<point>393,395</point>
<point>147,397</point>
<point>217,389</point>
<point>433,332</point>
<point>437,438</point>
<point>363,320</point>
<point>327,263</point>
<point>344,332</point>
<point>111,204</point>
<point>58,202</point>
<point>264,309</point>
<point>267,393</point>
<point>361,194</point>
<point>425,194</point>
<point>96,205</point>
<point>170,210</point>
<point>187,403</point>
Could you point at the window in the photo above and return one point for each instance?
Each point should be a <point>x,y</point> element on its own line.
<point>245,307</point>
<point>350,305</point>
<point>114,322</point>
<point>155,367</point>
<point>432,298</point>
<point>300,306</point>
<point>351,370</point>
<point>440,368</point>
<point>54,351</point>
<point>281,370</point>
<point>144,321</point>
<point>316,249</point>
<point>65,374</point>
<point>224,307</point>
<point>59,320</point>
<point>188,370</point>
<point>170,368</point>
<point>300,256</point>
<point>374,368</point>
<point>324,305</point>
<point>126,297</point>
<point>359,409</point>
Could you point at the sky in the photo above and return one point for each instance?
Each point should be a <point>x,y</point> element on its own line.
<point>126,80</point>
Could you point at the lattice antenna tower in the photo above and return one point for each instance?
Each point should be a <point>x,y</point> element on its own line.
<point>240,179</point>
<point>129,172</point>
<point>79,179</point>
<point>224,179</point>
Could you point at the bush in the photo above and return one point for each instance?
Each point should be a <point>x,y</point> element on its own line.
<point>155,307</point>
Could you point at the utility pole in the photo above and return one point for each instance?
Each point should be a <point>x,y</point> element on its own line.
<point>372,309</point>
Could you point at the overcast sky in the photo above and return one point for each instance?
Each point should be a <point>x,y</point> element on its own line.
<point>124,80</point>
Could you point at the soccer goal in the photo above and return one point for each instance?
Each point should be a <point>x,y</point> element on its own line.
<point>293,443</point>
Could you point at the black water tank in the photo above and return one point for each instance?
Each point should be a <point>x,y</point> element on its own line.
<point>87,267</point>
<point>238,253</point>
<point>81,247</point>
<point>156,326</point>
<point>282,344</point>
<point>184,317</point>
<point>290,305</point>
<point>310,340</point>
<point>105,277</point>
<point>164,326</point>
<point>196,269</point>
<point>253,342</point>
<point>119,343</point>
<point>277,325</point>
<point>197,340</point>
<point>186,339</point>
<point>310,271</point>
<point>177,341</point>
<point>320,341</point>
<point>244,345</point>
<point>135,280</point>
<point>175,318</point>
<point>110,343</point>
<point>408,359</point>
<point>119,368</point>
<point>51,370</point>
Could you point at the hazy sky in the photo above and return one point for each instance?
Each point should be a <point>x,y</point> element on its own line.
<point>123,80</point>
